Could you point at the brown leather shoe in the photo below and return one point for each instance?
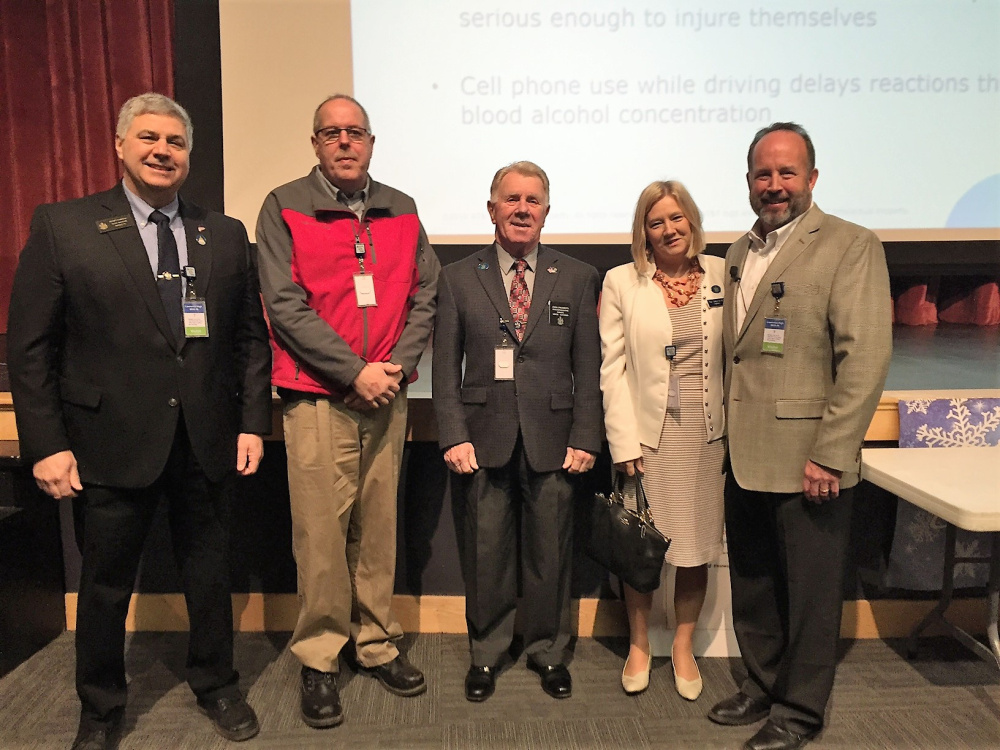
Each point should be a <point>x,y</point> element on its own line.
<point>232,717</point>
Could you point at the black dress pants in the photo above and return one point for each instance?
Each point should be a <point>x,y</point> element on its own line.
<point>492,500</point>
<point>787,558</point>
<point>115,524</point>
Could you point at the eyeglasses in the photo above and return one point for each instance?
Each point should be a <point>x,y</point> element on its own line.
<point>332,134</point>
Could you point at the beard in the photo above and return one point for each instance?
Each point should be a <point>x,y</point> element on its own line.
<point>772,217</point>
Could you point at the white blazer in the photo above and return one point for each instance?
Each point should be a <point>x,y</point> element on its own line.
<point>635,372</point>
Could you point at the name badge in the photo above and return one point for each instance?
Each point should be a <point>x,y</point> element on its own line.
<point>558,314</point>
<point>115,222</point>
<point>503,363</point>
<point>716,302</point>
<point>364,290</point>
<point>774,336</point>
<point>674,393</point>
<point>195,318</point>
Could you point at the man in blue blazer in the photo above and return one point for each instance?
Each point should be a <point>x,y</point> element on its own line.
<point>524,415</point>
<point>140,372</point>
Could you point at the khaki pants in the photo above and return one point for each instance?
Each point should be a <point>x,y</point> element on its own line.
<point>343,473</point>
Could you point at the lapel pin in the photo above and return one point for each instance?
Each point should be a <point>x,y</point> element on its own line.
<point>200,239</point>
<point>201,229</point>
<point>483,266</point>
<point>716,288</point>
<point>552,269</point>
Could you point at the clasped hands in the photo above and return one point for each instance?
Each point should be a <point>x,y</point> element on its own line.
<point>461,459</point>
<point>376,385</point>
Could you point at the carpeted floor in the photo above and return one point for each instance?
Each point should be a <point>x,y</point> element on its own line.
<point>945,699</point>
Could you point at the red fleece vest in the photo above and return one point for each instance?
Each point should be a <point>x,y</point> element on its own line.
<point>324,265</point>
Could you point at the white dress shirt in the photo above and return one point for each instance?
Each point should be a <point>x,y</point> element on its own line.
<point>762,254</point>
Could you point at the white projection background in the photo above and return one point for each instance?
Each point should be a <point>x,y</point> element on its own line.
<point>902,100</point>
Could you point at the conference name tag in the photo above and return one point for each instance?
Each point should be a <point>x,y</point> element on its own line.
<point>503,363</point>
<point>674,393</point>
<point>558,314</point>
<point>195,318</point>
<point>364,290</point>
<point>115,222</point>
<point>774,336</point>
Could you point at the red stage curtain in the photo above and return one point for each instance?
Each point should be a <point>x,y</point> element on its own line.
<point>66,67</point>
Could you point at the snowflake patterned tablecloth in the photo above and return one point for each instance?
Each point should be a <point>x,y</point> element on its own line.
<point>917,554</point>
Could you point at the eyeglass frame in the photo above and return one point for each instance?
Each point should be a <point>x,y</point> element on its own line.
<point>350,130</point>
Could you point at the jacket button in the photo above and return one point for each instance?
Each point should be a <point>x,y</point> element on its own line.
<point>520,359</point>
<point>172,402</point>
<point>180,359</point>
<point>736,360</point>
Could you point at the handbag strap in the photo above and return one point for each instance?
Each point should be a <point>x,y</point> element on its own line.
<point>641,504</point>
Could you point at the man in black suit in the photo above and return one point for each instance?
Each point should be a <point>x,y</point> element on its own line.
<point>139,369</point>
<point>525,414</point>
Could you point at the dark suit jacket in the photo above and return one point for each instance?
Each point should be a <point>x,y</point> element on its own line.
<point>555,397</point>
<point>814,401</point>
<point>94,365</point>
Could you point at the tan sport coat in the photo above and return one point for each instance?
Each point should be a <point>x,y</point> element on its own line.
<point>635,373</point>
<point>816,399</point>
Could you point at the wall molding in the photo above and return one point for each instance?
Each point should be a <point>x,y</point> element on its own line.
<point>255,612</point>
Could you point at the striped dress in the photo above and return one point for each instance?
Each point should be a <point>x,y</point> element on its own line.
<point>683,476</point>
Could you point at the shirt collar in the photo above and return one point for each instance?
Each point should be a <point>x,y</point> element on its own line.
<point>339,195</point>
<point>506,261</point>
<point>141,210</point>
<point>776,237</point>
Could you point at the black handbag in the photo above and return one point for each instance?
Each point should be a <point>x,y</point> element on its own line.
<point>625,541</point>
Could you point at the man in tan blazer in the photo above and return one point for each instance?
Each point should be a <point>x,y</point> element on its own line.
<point>808,336</point>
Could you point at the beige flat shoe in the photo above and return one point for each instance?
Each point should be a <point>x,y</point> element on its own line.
<point>687,689</point>
<point>635,684</point>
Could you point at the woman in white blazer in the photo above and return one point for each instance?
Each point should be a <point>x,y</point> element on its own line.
<point>661,376</point>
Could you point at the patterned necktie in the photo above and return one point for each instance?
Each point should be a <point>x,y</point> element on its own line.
<point>520,300</point>
<point>168,273</point>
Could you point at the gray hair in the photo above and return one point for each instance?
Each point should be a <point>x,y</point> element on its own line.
<point>791,127</point>
<point>152,103</point>
<point>523,168</point>
<point>346,98</point>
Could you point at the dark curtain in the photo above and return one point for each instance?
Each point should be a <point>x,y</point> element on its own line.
<point>66,67</point>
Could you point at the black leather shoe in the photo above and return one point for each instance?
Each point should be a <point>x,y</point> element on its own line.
<point>480,683</point>
<point>320,699</point>
<point>740,709</point>
<point>400,677</point>
<point>232,717</point>
<point>555,679</point>
<point>774,737</point>
<point>93,737</point>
